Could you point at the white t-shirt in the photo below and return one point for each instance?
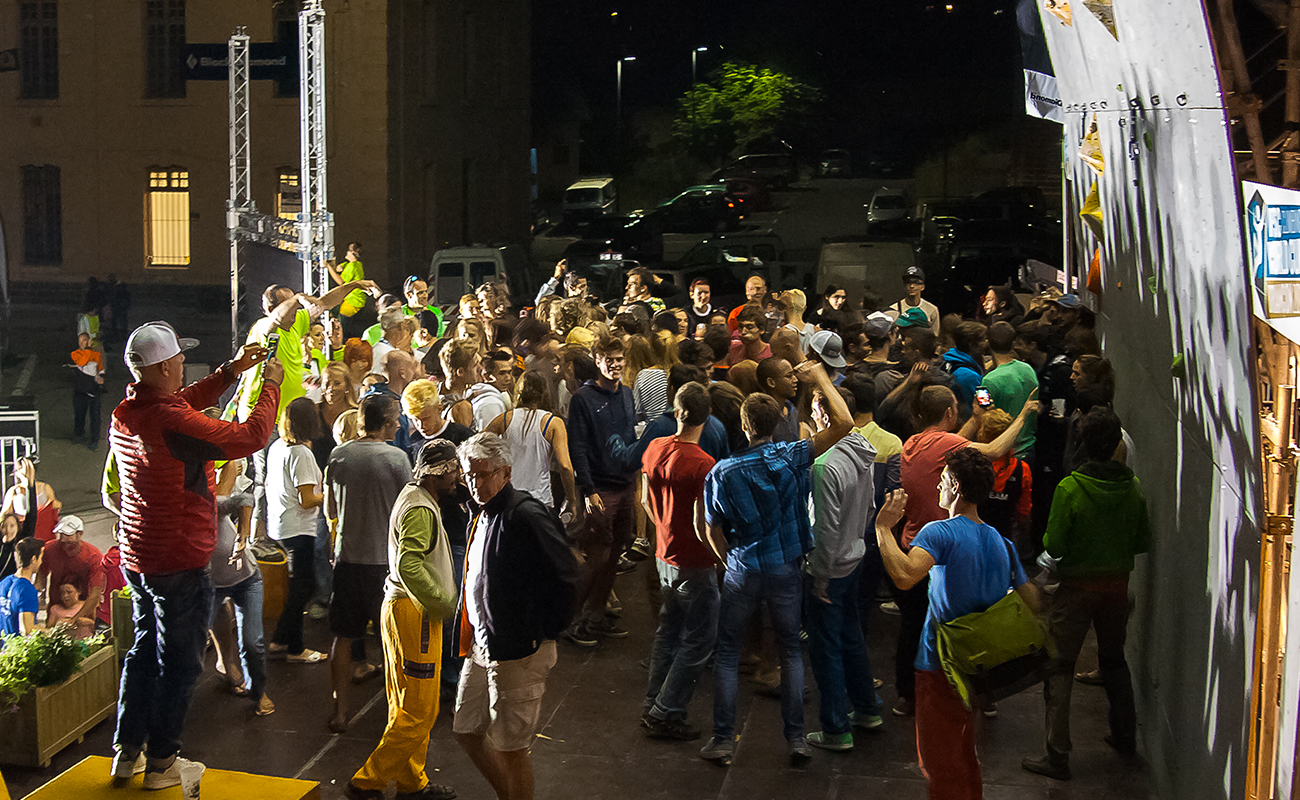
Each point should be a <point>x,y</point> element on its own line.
<point>473,566</point>
<point>288,467</point>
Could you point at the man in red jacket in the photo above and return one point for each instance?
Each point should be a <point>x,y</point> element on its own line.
<point>164,447</point>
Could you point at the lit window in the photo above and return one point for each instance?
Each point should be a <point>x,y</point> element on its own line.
<point>288,200</point>
<point>167,218</point>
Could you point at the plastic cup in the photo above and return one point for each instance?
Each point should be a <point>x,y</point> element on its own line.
<point>191,776</point>
<point>1058,407</point>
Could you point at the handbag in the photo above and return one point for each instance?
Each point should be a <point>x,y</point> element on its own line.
<point>991,654</point>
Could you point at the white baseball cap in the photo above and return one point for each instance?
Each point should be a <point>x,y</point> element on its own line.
<point>69,524</point>
<point>153,343</point>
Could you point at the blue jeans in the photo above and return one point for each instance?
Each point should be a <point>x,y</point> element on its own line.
<point>838,651</point>
<point>247,597</point>
<point>742,589</point>
<point>171,613</point>
<point>688,628</point>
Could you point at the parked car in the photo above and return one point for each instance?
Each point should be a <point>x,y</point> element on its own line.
<point>633,237</point>
<point>455,271</point>
<point>972,269</point>
<point>707,208</point>
<point>753,194</point>
<point>835,164</point>
<point>590,197</point>
<point>888,211</point>
<point>779,170</point>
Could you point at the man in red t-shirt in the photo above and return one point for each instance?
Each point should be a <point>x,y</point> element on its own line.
<point>675,467</point>
<point>921,466</point>
<point>67,559</point>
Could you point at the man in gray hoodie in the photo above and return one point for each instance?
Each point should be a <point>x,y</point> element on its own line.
<point>843,499</point>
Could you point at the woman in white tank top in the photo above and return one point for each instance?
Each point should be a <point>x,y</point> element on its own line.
<point>538,440</point>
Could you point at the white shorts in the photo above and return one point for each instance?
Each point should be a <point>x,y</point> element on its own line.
<point>502,700</point>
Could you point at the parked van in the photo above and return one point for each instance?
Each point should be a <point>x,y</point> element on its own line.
<point>590,197</point>
<point>854,266</point>
<point>456,271</point>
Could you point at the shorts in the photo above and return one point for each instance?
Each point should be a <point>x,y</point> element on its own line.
<point>357,599</point>
<point>615,526</point>
<point>502,700</point>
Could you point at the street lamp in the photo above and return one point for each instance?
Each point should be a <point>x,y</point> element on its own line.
<point>694,59</point>
<point>618,106</point>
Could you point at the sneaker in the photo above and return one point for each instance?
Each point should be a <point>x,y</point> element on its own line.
<point>125,765</point>
<point>718,750</point>
<point>354,792</point>
<point>641,550</point>
<point>839,742</point>
<point>431,791</point>
<point>580,635</point>
<point>890,608</point>
<point>318,611</point>
<point>990,711</point>
<point>800,753</point>
<point>625,565</point>
<point>905,707</point>
<point>867,722</point>
<point>1058,770</point>
<point>163,777</point>
<point>613,608</point>
<point>607,628</point>
<point>675,729</point>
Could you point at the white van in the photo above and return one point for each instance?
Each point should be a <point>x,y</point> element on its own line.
<point>590,197</point>
<point>457,271</point>
<point>853,266</point>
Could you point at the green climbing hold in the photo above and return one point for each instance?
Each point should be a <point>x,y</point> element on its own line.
<point>1178,369</point>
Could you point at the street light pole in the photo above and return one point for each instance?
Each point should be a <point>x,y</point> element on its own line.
<point>618,107</point>
<point>694,63</point>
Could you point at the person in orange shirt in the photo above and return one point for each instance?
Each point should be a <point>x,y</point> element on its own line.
<point>87,385</point>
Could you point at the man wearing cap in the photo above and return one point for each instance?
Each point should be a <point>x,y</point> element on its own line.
<point>419,594</point>
<point>164,446</point>
<point>520,590</point>
<point>878,328</point>
<point>68,559</point>
<point>913,285</point>
<point>827,349</point>
<point>700,310</point>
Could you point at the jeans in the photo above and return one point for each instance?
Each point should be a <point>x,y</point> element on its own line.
<point>742,589</point>
<point>1072,610</point>
<point>302,585</point>
<point>83,406</point>
<point>170,612</point>
<point>451,660</point>
<point>838,651</point>
<point>247,597</point>
<point>913,604</point>
<point>688,628</point>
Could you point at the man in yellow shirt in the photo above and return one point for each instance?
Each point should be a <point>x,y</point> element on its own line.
<point>348,271</point>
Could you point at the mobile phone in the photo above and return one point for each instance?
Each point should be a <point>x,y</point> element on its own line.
<point>983,397</point>
<point>272,344</point>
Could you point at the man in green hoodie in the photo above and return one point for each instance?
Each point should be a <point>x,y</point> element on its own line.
<point>1097,525</point>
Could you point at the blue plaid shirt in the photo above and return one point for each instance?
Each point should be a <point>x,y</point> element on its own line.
<point>761,497</point>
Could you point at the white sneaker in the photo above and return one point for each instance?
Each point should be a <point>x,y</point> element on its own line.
<point>124,766</point>
<point>163,778</point>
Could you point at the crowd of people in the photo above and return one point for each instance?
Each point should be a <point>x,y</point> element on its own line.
<point>470,484</point>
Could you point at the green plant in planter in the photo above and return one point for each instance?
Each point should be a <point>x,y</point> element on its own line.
<point>43,658</point>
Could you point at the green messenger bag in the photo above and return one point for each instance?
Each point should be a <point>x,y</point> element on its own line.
<point>991,654</point>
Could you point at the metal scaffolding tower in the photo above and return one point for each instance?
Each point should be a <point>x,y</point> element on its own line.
<point>311,237</point>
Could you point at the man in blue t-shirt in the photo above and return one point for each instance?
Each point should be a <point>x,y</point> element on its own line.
<point>19,600</point>
<point>971,567</point>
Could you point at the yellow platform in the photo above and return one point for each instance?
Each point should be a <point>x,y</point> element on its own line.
<point>90,780</point>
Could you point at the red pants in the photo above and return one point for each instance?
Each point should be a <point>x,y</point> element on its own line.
<point>945,740</point>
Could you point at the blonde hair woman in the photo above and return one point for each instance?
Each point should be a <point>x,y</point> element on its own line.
<point>795,304</point>
<point>347,427</point>
<point>423,405</point>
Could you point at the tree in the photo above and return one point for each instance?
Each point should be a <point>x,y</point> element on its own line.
<point>738,105</point>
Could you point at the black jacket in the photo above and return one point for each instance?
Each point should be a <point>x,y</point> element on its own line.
<point>528,585</point>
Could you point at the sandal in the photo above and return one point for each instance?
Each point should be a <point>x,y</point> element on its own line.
<point>361,675</point>
<point>307,656</point>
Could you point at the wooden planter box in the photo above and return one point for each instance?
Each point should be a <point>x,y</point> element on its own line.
<point>52,717</point>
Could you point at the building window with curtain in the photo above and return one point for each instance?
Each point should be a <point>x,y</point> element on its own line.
<point>164,48</point>
<point>42,216</point>
<point>38,24</point>
<point>167,218</point>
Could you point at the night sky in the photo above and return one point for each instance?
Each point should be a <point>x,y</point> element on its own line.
<point>897,74</point>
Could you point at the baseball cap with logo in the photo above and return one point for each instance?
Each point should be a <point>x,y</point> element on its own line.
<point>153,343</point>
<point>913,317</point>
<point>829,348</point>
<point>1070,300</point>
<point>913,275</point>
<point>877,324</point>
<point>69,524</point>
